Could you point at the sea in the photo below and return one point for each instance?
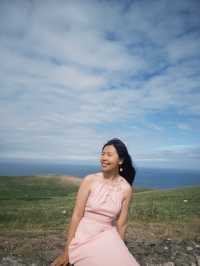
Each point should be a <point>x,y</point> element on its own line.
<point>156,178</point>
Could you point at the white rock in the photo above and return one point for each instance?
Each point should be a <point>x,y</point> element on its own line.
<point>170,263</point>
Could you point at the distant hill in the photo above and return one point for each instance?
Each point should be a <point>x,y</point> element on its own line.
<point>71,180</point>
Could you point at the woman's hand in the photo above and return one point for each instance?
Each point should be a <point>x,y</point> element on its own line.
<point>62,260</point>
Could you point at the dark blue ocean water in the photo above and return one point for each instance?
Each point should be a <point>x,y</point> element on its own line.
<point>146,177</point>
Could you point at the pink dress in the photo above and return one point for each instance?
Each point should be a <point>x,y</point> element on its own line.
<point>97,241</point>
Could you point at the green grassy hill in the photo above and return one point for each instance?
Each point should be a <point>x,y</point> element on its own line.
<point>36,203</point>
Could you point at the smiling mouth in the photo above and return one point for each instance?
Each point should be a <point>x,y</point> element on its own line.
<point>103,164</point>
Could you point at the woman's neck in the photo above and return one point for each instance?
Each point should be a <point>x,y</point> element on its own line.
<point>110,175</point>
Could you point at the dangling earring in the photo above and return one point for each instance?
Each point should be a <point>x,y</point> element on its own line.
<point>120,169</point>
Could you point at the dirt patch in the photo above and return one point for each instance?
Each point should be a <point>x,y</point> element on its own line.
<point>40,250</point>
<point>156,231</point>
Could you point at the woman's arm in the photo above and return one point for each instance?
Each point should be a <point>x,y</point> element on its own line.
<point>122,219</point>
<point>78,212</point>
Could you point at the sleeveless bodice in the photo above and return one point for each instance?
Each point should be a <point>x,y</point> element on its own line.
<point>104,201</point>
<point>102,207</point>
<point>96,234</point>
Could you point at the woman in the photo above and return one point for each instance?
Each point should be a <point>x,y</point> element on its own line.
<point>98,224</point>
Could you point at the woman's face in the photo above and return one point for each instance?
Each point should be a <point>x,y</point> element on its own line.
<point>109,158</point>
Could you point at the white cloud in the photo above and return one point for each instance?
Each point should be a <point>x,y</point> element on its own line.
<point>183,126</point>
<point>73,74</point>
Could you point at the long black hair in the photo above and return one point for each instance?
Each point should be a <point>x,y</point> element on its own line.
<point>129,170</point>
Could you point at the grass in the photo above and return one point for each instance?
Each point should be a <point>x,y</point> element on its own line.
<point>36,203</point>
<point>171,205</point>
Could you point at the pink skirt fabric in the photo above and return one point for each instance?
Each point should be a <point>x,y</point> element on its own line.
<point>97,241</point>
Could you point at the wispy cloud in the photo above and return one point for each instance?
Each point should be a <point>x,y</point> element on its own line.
<point>74,75</point>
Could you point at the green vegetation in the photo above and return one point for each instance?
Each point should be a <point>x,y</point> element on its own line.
<point>171,205</point>
<point>40,203</point>
<point>31,203</point>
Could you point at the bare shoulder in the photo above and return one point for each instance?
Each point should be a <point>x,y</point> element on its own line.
<point>127,189</point>
<point>90,178</point>
<point>95,176</point>
<point>82,195</point>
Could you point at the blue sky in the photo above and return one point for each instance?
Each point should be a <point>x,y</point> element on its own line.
<point>74,74</point>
